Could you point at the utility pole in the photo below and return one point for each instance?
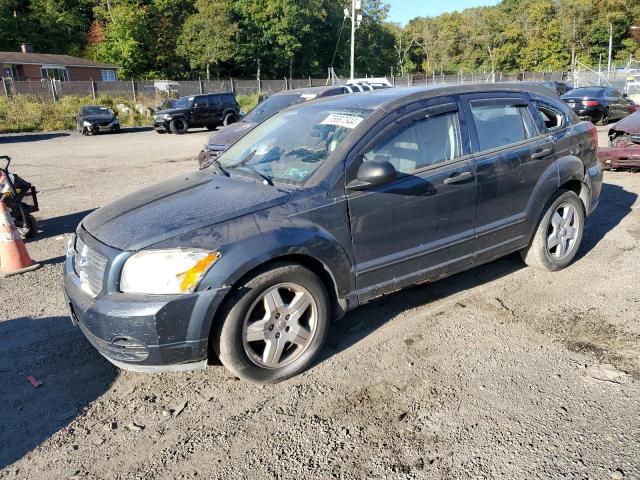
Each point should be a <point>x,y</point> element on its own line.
<point>610,48</point>
<point>573,46</point>
<point>356,19</point>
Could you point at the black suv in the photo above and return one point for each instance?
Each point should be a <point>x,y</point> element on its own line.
<point>210,111</point>
<point>321,208</point>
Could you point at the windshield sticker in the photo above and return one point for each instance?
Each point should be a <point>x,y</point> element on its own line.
<point>296,173</point>
<point>340,120</point>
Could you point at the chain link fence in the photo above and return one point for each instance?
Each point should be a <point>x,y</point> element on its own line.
<point>625,80</point>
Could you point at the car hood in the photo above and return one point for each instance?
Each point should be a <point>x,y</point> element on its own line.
<point>97,118</point>
<point>629,124</point>
<point>172,111</point>
<point>230,134</point>
<point>176,206</point>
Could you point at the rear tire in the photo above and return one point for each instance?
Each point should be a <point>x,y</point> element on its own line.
<point>267,337</point>
<point>211,127</point>
<point>604,120</point>
<point>179,126</point>
<point>558,235</point>
<point>229,118</point>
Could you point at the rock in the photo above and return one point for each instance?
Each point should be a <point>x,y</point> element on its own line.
<point>98,441</point>
<point>179,408</point>
<point>617,475</point>
<point>110,426</point>
<point>134,427</point>
<point>143,109</point>
<point>123,108</point>
<point>166,413</point>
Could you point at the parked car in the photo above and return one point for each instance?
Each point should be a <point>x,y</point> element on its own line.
<point>321,208</point>
<point>96,119</point>
<point>624,144</point>
<point>210,111</point>
<point>600,105</point>
<point>222,139</point>
<point>560,87</point>
<point>376,83</point>
<point>631,105</point>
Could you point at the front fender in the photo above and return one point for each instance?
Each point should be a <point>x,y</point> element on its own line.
<point>247,242</point>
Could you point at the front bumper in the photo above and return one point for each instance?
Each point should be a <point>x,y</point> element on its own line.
<point>141,332</point>
<point>161,126</point>
<point>95,128</point>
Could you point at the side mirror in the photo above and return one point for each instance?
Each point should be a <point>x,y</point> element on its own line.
<point>625,95</point>
<point>372,173</point>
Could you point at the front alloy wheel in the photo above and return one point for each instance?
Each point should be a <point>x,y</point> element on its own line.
<point>273,325</point>
<point>280,325</point>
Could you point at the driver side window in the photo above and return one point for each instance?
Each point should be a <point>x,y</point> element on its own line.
<point>423,143</point>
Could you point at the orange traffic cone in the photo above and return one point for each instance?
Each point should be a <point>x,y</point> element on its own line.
<point>14,258</point>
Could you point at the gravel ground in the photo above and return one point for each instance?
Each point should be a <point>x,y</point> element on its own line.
<point>499,372</point>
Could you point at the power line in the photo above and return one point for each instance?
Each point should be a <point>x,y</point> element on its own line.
<point>344,19</point>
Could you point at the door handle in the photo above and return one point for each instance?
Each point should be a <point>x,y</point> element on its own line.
<point>458,177</point>
<point>541,153</point>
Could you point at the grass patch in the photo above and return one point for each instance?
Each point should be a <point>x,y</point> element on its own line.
<point>27,113</point>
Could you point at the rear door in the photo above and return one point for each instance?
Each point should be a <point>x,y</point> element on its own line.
<point>511,155</point>
<point>421,224</point>
<point>199,111</point>
<point>215,109</point>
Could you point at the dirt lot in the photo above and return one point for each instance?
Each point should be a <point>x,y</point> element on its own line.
<point>499,372</point>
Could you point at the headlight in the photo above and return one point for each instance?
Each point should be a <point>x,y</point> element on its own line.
<point>166,271</point>
<point>86,124</point>
<point>166,116</point>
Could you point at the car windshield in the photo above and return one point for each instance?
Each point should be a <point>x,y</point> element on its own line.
<point>97,111</point>
<point>586,92</point>
<point>184,102</point>
<point>291,145</point>
<point>168,104</point>
<point>271,105</point>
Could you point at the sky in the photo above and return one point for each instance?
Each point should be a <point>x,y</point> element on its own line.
<point>402,11</point>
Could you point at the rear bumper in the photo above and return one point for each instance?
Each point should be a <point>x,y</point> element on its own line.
<point>622,157</point>
<point>594,181</point>
<point>148,333</point>
<point>592,115</point>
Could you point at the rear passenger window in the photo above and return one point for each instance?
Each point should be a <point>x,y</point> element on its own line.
<point>214,100</point>
<point>501,123</point>
<point>551,117</point>
<point>421,144</point>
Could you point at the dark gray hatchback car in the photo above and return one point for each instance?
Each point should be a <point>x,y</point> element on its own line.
<point>321,208</point>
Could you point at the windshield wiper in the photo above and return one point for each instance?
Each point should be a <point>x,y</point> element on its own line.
<point>245,163</point>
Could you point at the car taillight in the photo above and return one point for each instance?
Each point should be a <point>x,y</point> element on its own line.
<point>590,103</point>
<point>593,131</point>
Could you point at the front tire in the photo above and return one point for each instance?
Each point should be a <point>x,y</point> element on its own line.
<point>558,235</point>
<point>179,126</point>
<point>274,325</point>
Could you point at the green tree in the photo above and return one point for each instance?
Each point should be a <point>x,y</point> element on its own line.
<point>127,37</point>
<point>207,36</point>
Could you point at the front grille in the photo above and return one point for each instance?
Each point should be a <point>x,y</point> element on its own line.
<point>89,265</point>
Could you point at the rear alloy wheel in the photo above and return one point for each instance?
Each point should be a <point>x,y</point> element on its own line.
<point>178,126</point>
<point>274,325</point>
<point>559,234</point>
<point>229,118</point>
